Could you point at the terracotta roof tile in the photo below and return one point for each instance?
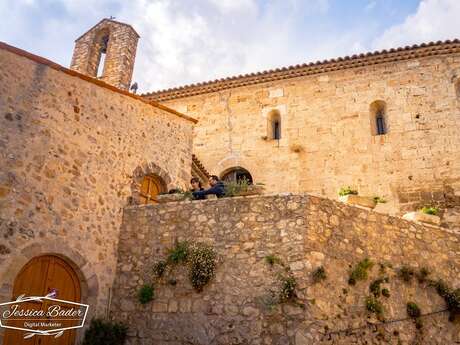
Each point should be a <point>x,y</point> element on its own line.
<point>200,166</point>
<point>370,58</point>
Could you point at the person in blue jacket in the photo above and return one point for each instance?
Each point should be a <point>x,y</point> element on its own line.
<point>217,188</point>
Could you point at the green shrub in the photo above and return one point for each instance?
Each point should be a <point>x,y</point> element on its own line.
<point>452,300</point>
<point>288,286</point>
<point>105,332</point>
<point>441,287</point>
<point>360,271</point>
<point>406,273</point>
<point>187,194</point>
<point>374,287</point>
<point>451,297</point>
<point>202,261</point>
<point>379,200</point>
<point>373,305</point>
<point>146,294</point>
<point>159,268</point>
<point>423,274</point>
<point>235,188</point>
<point>319,274</point>
<point>385,292</point>
<point>179,253</point>
<point>430,210</point>
<point>272,260</point>
<point>413,310</point>
<point>347,191</point>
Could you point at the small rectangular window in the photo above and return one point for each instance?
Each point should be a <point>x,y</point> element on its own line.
<point>276,131</point>
<point>380,125</point>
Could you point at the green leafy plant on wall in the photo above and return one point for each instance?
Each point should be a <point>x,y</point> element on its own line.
<point>319,274</point>
<point>373,305</point>
<point>414,312</point>
<point>202,261</point>
<point>159,268</point>
<point>286,292</point>
<point>288,288</point>
<point>273,259</point>
<point>146,294</point>
<point>451,297</point>
<point>379,200</point>
<point>105,332</point>
<point>347,191</point>
<point>406,273</point>
<point>430,210</point>
<point>179,253</point>
<point>360,271</point>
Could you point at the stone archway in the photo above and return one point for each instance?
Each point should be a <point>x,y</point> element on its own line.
<point>89,282</point>
<point>146,169</point>
<point>233,161</point>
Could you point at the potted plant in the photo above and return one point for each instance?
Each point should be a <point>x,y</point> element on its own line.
<point>176,194</point>
<point>350,196</point>
<point>427,214</point>
<point>243,188</point>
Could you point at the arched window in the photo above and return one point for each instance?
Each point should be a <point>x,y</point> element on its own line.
<point>151,186</point>
<point>378,118</point>
<point>102,54</point>
<point>457,88</point>
<point>236,174</point>
<point>274,125</point>
<point>97,59</point>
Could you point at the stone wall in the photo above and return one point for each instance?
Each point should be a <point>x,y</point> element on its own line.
<point>69,149</point>
<point>305,232</point>
<point>326,136</point>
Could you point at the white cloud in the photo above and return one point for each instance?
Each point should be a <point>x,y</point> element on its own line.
<point>434,20</point>
<point>185,41</point>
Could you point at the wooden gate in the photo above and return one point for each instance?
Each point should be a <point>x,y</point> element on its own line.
<point>38,277</point>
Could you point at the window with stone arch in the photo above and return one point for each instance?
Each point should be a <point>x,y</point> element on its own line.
<point>236,174</point>
<point>101,43</point>
<point>274,125</point>
<point>378,118</point>
<point>151,186</point>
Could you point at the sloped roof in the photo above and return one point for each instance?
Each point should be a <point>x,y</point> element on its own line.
<point>199,166</point>
<point>371,58</point>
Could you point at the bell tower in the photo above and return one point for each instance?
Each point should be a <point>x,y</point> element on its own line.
<point>107,51</point>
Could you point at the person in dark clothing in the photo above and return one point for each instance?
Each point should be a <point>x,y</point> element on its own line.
<point>196,187</point>
<point>217,188</point>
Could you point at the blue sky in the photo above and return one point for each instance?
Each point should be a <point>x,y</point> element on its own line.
<point>186,41</point>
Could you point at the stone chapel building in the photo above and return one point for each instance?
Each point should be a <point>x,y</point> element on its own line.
<point>78,148</point>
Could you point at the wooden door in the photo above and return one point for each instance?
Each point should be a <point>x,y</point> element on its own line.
<point>38,278</point>
<point>151,186</point>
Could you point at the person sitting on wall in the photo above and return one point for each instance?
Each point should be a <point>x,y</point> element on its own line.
<point>217,188</point>
<point>196,187</point>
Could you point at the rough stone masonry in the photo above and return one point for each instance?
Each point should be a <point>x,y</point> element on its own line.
<point>305,232</point>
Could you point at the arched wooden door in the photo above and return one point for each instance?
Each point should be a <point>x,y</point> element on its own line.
<point>38,278</point>
<point>151,186</point>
